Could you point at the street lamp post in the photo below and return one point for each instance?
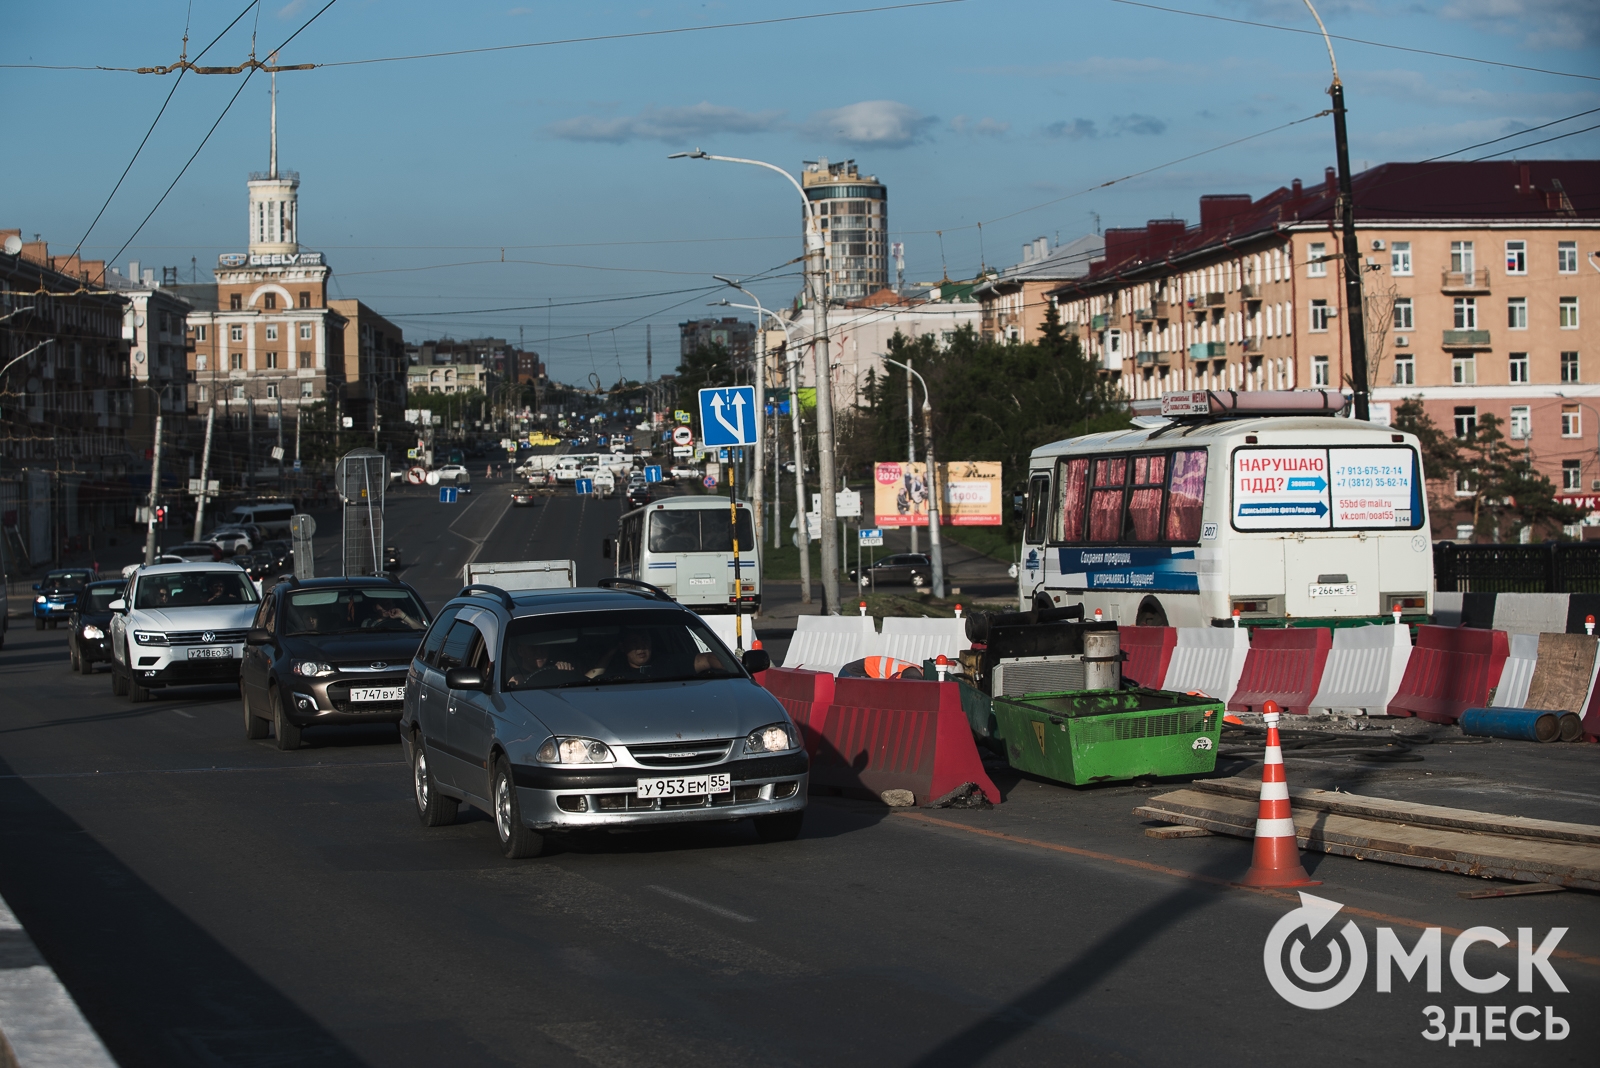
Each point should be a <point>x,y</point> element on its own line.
<point>818,294</point>
<point>934,548</point>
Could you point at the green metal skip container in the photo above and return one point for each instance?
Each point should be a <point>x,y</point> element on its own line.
<point>1101,736</point>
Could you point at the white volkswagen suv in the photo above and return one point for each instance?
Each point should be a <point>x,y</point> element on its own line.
<point>180,625</point>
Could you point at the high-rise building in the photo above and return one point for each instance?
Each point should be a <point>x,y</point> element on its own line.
<point>854,215</point>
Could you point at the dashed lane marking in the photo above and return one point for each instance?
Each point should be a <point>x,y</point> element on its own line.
<point>697,903</point>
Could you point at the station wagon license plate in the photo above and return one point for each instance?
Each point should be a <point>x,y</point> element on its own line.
<point>682,787</point>
<point>211,652</point>
<point>1328,589</point>
<point>364,694</point>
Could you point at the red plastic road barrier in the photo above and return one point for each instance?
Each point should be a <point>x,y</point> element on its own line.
<point>1451,670</point>
<point>805,695</point>
<point>1284,666</point>
<point>1591,718</point>
<point>897,734</point>
<point>1149,651</point>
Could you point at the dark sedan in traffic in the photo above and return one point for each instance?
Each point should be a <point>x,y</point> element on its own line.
<point>56,595</point>
<point>91,622</point>
<point>901,569</point>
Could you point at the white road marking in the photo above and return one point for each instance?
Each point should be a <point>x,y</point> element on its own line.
<point>185,715</point>
<point>697,903</point>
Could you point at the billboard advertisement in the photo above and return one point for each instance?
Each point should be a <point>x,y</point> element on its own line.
<point>971,494</point>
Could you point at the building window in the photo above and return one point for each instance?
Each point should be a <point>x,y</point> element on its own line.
<point>1319,370</point>
<point>235,302</point>
<point>272,331</point>
<point>1466,313</point>
<point>1569,313</point>
<point>200,362</point>
<point>1402,314</point>
<point>235,333</point>
<point>305,298</point>
<point>1405,371</point>
<point>235,361</point>
<point>1567,257</point>
<point>1516,257</point>
<point>305,359</point>
<point>1571,421</point>
<point>1461,257</point>
<point>272,390</point>
<point>1466,422</point>
<point>1517,313</point>
<point>269,301</point>
<point>1519,367</point>
<point>1316,265</point>
<point>1521,422</point>
<point>238,393</point>
<point>1572,475</point>
<point>1569,367</point>
<point>272,361</point>
<point>305,331</point>
<point>305,387</point>
<point>202,394</point>
<point>200,332</point>
<point>1320,314</point>
<point>1400,258</point>
<point>1464,370</point>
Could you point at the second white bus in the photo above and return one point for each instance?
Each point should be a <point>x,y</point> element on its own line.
<point>684,545</point>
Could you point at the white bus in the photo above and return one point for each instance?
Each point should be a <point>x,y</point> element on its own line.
<point>683,545</point>
<point>1247,502</point>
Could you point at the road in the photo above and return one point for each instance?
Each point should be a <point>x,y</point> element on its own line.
<point>212,901</point>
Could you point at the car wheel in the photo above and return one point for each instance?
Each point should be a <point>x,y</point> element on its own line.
<point>517,840</point>
<point>433,808</point>
<point>85,665</point>
<point>72,654</point>
<point>255,727</point>
<point>135,691</point>
<point>38,624</point>
<point>1151,614</point>
<point>918,581</point>
<point>782,827</point>
<point>119,681</point>
<point>288,734</point>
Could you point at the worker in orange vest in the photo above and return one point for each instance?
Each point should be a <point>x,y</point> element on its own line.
<point>880,667</point>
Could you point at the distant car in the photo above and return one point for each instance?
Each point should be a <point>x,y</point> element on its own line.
<point>456,473</point>
<point>259,563</point>
<point>232,540</point>
<point>901,569</point>
<point>639,494</point>
<point>391,558</point>
<point>88,644</point>
<point>685,471</point>
<point>57,594</point>
<point>195,551</point>
<point>522,496</point>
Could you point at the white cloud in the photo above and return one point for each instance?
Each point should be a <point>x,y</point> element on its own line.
<point>984,127</point>
<point>1081,129</point>
<point>876,123</point>
<point>672,125</point>
<point>1539,23</point>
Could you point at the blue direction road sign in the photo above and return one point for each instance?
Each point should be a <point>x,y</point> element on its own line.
<point>447,494</point>
<point>583,485</point>
<point>728,416</point>
<point>652,473</point>
<point>870,536</point>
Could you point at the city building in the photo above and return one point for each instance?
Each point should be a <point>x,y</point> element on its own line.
<point>854,215</point>
<point>1476,278</point>
<point>154,325</point>
<point>371,383</point>
<point>447,377</point>
<point>737,337</point>
<point>1014,300</point>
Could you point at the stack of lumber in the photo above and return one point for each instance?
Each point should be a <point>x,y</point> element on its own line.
<point>1399,832</point>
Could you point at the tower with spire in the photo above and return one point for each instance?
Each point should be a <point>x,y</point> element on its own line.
<point>274,201</point>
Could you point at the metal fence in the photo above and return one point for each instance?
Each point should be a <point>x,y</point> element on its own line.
<point>1551,567</point>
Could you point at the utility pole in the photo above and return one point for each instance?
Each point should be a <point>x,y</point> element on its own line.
<point>280,442</point>
<point>802,529</point>
<point>825,471</point>
<point>205,471</point>
<point>155,488</point>
<point>911,437</point>
<point>250,442</point>
<point>934,547</point>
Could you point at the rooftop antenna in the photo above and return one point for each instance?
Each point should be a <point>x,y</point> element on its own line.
<point>649,371</point>
<point>1096,215</point>
<point>943,265</point>
<point>982,265</point>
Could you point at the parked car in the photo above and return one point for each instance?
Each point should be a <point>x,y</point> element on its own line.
<point>611,708</point>
<point>901,569</point>
<point>329,651</point>
<point>195,551</point>
<point>90,624</point>
<point>180,625</point>
<point>55,595</point>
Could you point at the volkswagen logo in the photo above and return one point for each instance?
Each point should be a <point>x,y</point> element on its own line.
<point>209,636</point>
<point>379,665</point>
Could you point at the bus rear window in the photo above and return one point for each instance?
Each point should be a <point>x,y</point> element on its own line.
<point>699,530</point>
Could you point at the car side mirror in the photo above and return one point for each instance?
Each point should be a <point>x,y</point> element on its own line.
<point>119,605</point>
<point>36,586</point>
<point>258,636</point>
<point>756,660</point>
<point>605,549</point>
<point>465,679</point>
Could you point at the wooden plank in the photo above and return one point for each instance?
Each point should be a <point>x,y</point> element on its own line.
<point>1414,813</point>
<point>1178,830</point>
<point>1512,891</point>
<point>1561,678</point>
<point>1443,849</point>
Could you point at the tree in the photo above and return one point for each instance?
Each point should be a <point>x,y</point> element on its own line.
<point>1506,486</point>
<point>707,366</point>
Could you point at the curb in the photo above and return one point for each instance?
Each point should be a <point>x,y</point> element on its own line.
<point>40,1025</point>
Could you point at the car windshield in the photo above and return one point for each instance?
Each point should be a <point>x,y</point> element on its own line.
<point>193,589</point>
<point>609,648</point>
<point>66,580</point>
<point>353,610</point>
<point>99,598</point>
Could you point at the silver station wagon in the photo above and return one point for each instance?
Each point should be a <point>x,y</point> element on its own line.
<point>599,708</point>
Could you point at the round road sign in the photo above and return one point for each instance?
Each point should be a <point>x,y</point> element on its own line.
<point>683,436</point>
<point>432,478</point>
<point>416,476</point>
<point>709,481</point>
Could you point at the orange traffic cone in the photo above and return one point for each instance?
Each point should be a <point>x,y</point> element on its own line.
<point>1276,861</point>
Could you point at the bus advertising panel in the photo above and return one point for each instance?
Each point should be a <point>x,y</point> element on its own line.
<point>971,494</point>
<point>1323,489</point>
<point>1371,487</point>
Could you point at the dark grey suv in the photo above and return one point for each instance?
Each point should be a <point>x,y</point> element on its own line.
<point>559,710</point>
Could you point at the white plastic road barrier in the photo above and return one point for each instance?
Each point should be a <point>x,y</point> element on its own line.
<point>1512,690</point>
<point>1363,671</point>
<point>1447,609</point>
<point>1531,613</point>
<point>37,1016</point>
<point>722,627</point>
<point>828,643</point>
<point>1208,660</point>
<point>916,640</point>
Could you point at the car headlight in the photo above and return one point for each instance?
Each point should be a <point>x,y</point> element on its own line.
<point>149,637</point>
<point>312,668</point>
<point>38,600</point>
<point>773,738</point>
<point>574,751</point>
<point>94,632</point>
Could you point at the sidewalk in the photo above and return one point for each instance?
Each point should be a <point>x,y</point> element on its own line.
<point>39,1021</point>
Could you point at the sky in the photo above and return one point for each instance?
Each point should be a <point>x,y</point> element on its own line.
<point>527,191</point>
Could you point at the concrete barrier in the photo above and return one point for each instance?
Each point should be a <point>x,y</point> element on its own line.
<point>1531,613</point>
<point>1283,666</point>
<point>1451,670</point>
<point>916,640</point>
<point>827,643</point>
<point>1517,673</point>
<point>1207,660</point>
<point>1363,671</point>
<point>805,695</point>
<point>722,627</point>
<point>1149,654</point>
<point>893,734</point>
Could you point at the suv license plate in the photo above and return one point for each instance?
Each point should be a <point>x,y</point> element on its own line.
<point>361,694</point>
<point>683,787</point>
<point>211,652</point>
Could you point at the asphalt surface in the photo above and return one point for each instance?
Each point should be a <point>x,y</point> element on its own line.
<point>213,901</point>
